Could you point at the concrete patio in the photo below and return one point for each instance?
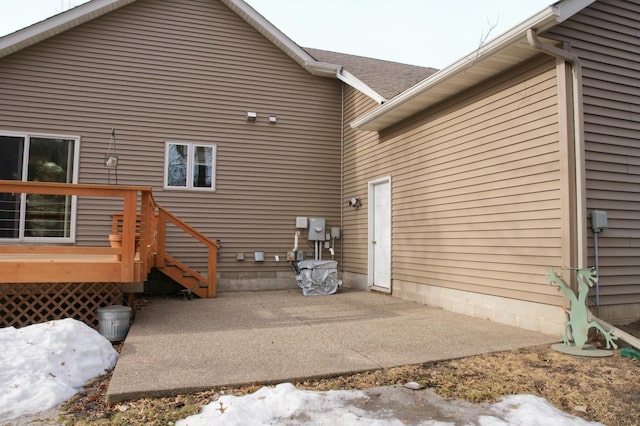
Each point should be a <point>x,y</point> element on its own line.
<point>177,346</point>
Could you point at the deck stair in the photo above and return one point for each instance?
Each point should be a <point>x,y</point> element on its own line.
<point>193,281</point>
<point>201,284</point>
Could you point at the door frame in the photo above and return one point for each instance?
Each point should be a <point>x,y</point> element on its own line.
<point>371,216</point>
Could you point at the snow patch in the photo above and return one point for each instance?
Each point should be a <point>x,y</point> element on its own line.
<point>43,365</point>
<point>284,404</point>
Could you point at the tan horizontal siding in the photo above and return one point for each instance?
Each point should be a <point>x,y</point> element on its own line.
<point>188,71</point>
<point>476,200</point>
<point>355,220</point>
<point>605,36</point>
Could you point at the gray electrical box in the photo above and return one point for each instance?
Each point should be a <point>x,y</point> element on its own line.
<point>335,232</point>
<point>316,229</point>
<point>301,222</point>
<point>599,220</point>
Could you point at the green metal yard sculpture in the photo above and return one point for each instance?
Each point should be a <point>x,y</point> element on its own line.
<point>578,321</point>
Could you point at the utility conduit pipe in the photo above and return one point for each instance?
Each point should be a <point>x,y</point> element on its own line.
<point>578,128</point>
<point>295,241</point>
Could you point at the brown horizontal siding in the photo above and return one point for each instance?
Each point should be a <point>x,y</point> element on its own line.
<point>475,189</point>
<point>188,71</point>
<point>605,36</point>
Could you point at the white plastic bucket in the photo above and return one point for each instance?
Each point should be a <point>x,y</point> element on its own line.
<point>113,322</point>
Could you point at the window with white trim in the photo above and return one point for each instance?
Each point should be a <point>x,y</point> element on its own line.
<point>38,158</point>
<point>190,166</point>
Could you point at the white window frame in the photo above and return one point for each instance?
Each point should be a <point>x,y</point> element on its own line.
<point>25,167</point>
<point>191,146</point>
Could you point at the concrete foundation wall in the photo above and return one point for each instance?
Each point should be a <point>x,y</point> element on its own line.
<point>254,281</point>
<point>353,280</point>
<point>528,315</point>
<point>620,314</point>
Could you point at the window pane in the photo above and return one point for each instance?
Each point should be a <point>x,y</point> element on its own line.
<point>11,152</point>
<point>177,165</point>
<point>47,216</point>
<point>202,166</point>
<point>50,160</point>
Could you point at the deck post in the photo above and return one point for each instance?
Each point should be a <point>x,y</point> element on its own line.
<point>146,231</point>
<point>129,235</point>
<point>161,240</point>
<point>211,271</point>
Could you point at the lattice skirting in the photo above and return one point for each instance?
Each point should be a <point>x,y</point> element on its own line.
<point>32,303</point>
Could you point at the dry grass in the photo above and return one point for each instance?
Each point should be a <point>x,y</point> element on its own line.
<point>596,389</point>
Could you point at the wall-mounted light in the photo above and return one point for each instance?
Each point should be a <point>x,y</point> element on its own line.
<point>273,119</point>
<point>252,116</point>
<point>354,202</point>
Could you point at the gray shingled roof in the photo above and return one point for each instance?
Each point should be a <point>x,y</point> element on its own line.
<point>385,77</point>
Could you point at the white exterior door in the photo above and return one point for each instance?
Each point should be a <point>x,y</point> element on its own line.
<point>380,234</point>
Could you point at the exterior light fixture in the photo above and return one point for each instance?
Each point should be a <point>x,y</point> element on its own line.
<point>273,119</point>
<point>354,202</point>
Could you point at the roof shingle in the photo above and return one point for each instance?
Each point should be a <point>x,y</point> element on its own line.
<point>385,77</point>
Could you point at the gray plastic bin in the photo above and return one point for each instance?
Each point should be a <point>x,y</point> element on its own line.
<point>318,277</point>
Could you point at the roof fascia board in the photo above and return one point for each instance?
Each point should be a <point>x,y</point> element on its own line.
<point>57,24</point>
<point>298,54</point>
<point>95,8</point>
<point>64,21</point>
<point>271,32</point>
<point>543,20</point>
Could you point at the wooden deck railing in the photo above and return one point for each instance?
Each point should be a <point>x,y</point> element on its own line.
<point>163,258</point>
<point>142,227</point>
<point>128,194</point>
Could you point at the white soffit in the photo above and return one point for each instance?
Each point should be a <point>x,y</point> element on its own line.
<point>500,54</point>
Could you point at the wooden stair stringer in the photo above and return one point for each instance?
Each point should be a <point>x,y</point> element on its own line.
<point>187,281</point>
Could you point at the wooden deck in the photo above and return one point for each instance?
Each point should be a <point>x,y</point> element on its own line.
<point>59,267</point>
<point>141,228</point>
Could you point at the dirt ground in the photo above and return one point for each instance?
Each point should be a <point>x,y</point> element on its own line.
<point>596,389</point>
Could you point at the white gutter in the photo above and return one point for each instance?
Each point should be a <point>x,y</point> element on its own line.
<point>545,19</point>
<point>579,144</point>
<point>295,52</point>
<point>357,84</point>
<point>457,67</point>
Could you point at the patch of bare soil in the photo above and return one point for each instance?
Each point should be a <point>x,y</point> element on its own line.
<point>596,389</point>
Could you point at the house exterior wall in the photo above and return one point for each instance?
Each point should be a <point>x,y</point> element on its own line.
<point>605,37</point>
<point>476,200</point>
<point>189,71</point>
